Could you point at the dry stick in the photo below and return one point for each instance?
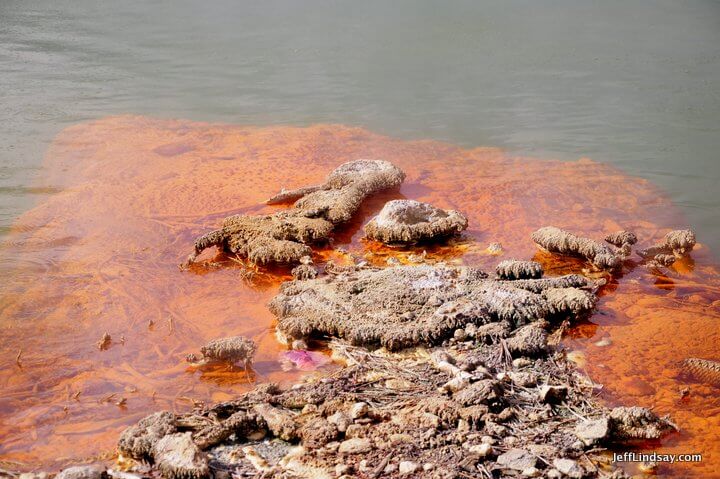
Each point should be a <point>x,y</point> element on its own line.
<point>379,469</point>
<point>18,359</point>
<point>485,471</point>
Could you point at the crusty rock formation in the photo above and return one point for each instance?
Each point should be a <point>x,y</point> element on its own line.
<point>285,237</point>
<point>703,370</point>
<point>178,457</point>
<point>92,471</point>
<point>638,423</point>
<point>516,269</point>
<point>138,440</point>
<point>410,221</point>
<point>676,244</point>
<point>405,306</point>
<point>601,256</point>
<point>231,350</point>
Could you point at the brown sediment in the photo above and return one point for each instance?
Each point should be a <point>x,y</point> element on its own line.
<point>101,255</point>
<point>285,236</point>
<point>409,221</point>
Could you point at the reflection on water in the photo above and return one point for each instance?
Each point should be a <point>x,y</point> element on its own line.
<point>102,254</point>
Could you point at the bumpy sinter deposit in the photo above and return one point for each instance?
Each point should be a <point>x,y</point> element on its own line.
<point>601,256</point>
<point>410,221</point>
<point>284,237</point>
<point>516,269</point>
<point>406,306</point>
<point>676,244</point>
<point>232,350</point>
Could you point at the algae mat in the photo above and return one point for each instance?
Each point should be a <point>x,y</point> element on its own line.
<point>102,254</point>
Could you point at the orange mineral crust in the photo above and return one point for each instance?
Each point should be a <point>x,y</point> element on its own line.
<point>102,256</point>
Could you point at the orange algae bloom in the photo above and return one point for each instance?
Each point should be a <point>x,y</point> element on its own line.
<point>101,256</point>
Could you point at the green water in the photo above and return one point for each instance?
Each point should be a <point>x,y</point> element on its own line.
<point>636,84</point>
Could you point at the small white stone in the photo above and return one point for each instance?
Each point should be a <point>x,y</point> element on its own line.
<point>341,421</point>
<point>531,472</point>
<point>358,410</point>
<point>408,467</point>
<point>521,363</point>
<point>355,446</point>
<point>482,450</point>
<point>460,335</point>
<point>428,466</point>
<point>309,408</point>
<point>569,468</point>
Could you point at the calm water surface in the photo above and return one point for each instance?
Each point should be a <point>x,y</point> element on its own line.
<point>636,85</point>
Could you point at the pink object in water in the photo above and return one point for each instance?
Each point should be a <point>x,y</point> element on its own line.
<point>303,360</point>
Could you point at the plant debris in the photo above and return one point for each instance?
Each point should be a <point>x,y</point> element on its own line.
<point>365,420</point>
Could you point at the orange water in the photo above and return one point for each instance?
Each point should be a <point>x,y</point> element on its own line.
<point>102,255</point>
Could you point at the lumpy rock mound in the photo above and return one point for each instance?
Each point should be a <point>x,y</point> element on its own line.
<point>285,236</point>
<point>406,306</point>
<point>410,221</point>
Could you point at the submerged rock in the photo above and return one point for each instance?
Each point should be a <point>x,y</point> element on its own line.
<point>405,306</point>
<point>410,221</point>
<point>231,350</point>
<point>703,370</point>
<point>284,237</point>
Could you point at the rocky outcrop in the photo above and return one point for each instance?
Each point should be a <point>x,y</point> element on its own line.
<point>515,269</point>
<point>410,221</point>
<point>405,306</point>
<point>601,256</point>
<point>232,350</point>
<point>676,244</point>
<point>286,236</point>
